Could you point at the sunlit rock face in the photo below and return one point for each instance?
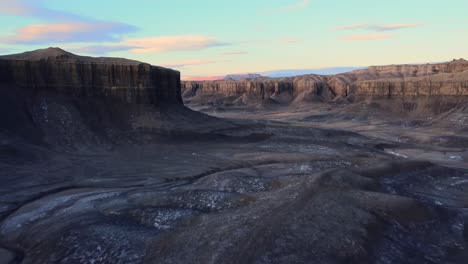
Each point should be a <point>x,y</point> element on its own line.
<point>444,79</point>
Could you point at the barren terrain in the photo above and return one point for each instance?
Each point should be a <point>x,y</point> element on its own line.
<point>101,179</point>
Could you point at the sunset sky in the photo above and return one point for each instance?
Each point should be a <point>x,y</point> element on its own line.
<point>214,37</point>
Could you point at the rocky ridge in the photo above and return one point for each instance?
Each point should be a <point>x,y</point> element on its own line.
<point>447,79</point>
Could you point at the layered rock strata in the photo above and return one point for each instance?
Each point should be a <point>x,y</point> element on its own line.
<point>60,71</point>
<point>55,97</point>
<point>446,79</point>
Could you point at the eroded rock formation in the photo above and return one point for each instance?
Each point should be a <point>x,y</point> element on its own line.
<point>54,69</point>
<point>448,79</point>
<point>63,99</point>
<point>281,190</point>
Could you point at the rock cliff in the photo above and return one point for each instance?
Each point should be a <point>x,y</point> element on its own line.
<point>447,79</point>
<point>56,70</point>
<point>252,91</point>
<point>405,80</point>
<point>61,99</point>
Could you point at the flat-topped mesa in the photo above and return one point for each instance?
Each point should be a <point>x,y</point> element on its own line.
<point>413,70</point>
<point>446,79</point>
<point>257,90</point>
<point>442,79</point>
<point>54,69</point>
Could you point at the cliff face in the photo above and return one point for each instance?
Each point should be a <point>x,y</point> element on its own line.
<point>251,91</point>
<point>55,97</point>
<point>59,71</point>
<point>448,79</point>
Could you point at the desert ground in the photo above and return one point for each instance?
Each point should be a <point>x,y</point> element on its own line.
<point>273,186</point>
<point>87,178</point>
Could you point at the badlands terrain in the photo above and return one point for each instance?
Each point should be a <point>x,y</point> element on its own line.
<point>101,162</point>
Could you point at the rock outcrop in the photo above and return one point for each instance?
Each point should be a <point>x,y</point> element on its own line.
<point>56,70</point>
<point>444,79</point>
<point>61,99</point>
<point>254,91</point>
<point>449,79</point>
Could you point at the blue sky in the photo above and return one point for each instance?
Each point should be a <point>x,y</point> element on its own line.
<point>212,38</point>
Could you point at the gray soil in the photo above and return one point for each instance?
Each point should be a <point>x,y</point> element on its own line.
<point>311,184</point>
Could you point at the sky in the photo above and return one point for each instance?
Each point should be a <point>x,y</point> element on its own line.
<point>206,38</point>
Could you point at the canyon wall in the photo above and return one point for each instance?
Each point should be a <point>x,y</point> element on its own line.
<point>69,74</point>
<point>444,79</point>
<point>251,91</point>
<point>61,99</point>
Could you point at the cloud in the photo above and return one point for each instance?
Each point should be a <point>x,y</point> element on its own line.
<point>182,64</point>
<point>102,49</point>
<point>353,26</point>
<point>291,40</point>
<point>377,27</point>
<point>37,9</point>
<point>173,43</point>
<point>397,26</point>
<point>374,27</point>
<point>156,44</point>
<point>59,26</point>
<point>368,37</point>
<point>17,7</point>
<point>202,78</point>
<point>4,51</point>
<point>67,32</point>
<point>235,53</point>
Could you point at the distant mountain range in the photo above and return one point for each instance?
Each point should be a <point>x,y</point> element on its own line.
<point>291,73</point>
<point>237,77</point>
<point>323,71</point>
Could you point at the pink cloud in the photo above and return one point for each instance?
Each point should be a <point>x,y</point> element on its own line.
<point>67,32</point>
<point>291,40</point>
<point>15,7</point>
<point>235,53</point>
<point>202,78</point>
<point>60,26</point>
<point>49,32</point>
<point>397,26</point>
<point>368,37</point>
<point>182,64</point>
<point>173,43</point>
<point>101,49</point>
